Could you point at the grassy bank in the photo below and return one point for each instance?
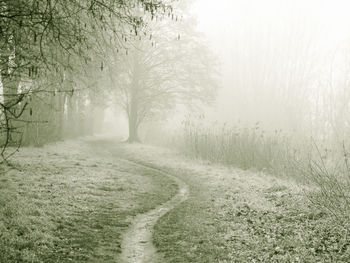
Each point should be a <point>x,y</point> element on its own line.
<point>321,163</point>
<point>70,203</point>
<point>242,216</point>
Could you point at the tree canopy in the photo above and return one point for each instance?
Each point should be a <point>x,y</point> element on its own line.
<point>47,50</point>
<point>168,68</point>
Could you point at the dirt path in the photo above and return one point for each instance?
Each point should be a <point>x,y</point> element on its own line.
<point>137,245</point>
<point>231,216</point>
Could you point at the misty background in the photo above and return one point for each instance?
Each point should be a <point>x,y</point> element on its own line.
<point>249,101</point>
<point>284,64</point>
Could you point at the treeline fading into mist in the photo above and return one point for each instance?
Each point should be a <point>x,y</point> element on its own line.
<point>285,108</point>
<point>53,60</point>
<point>62,64</point>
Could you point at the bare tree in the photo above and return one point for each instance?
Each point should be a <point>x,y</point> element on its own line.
<point>171,66</point>
<point>42,42</point>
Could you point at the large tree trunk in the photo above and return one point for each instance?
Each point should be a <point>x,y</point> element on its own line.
<point>133,122</point>
<point>81,115</point>
<point>71,117</point>
<point>11,101</point>
<point>60,100</point>
<point>133,134</point>
<point>10,89</point>
<point>134,100</point>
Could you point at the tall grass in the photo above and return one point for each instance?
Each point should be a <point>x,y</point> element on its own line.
<point>242,147</point>
<point>324,166</point>
<point>330,172</point>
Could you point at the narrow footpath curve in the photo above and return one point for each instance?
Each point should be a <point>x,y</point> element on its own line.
<point>137,245</point>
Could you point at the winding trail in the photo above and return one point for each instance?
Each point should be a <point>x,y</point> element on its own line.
<point>137,245</point>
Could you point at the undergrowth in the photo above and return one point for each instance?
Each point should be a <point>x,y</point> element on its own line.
<point>323,166</point>
<point>242,147</point>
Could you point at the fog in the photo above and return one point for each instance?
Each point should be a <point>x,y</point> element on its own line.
<point>279,60</point>
<point>279,65</point>
<point>282,65</point>
<point>174,131</point>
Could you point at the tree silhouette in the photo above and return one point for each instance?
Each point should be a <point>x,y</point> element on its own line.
<point>46,46</point>
<point>170,67</point>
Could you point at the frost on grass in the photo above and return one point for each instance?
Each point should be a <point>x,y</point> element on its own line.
<point>71,202</point>
<point>241,216</point>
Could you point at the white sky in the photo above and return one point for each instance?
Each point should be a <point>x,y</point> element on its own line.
<point>216,18</point>
<point>228,24</point>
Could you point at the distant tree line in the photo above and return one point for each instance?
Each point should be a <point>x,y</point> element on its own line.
<point>53,59</point>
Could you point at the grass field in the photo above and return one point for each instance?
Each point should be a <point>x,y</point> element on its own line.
<point>242,216</point>
<point>70,202</point>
